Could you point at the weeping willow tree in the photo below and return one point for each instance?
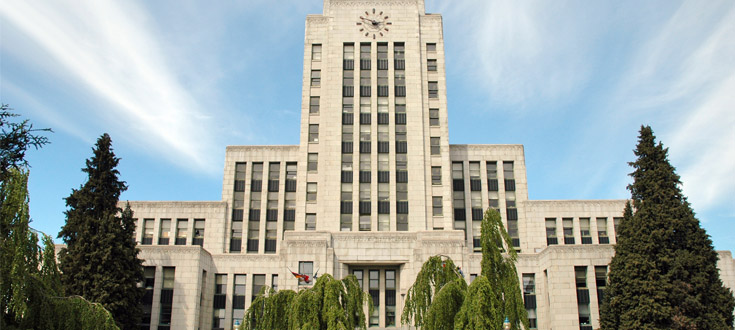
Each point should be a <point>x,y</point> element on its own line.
<point>500,271</point>
<point>30,285</point>
<point>330,304</point>
<point>434,274</point>
<point>493,296</point>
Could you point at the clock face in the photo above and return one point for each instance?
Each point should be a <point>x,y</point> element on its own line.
<point>373,23</point>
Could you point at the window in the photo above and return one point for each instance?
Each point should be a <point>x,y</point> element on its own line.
<point>551,231</point>
<point>584,230</point>
<point>431,48</point>
<point>274,282</point>
<point>165,232</point>
<point>433,89</point>
<point>182,230</point>
<point>349,52</point>
<point>220,298</point>
<point>147,231</point>
<point>390,298</point>
<point>436,205</point>
<point>258,284</point>
<point>311,191</point>
<point>508,170</point>
<point>316,78</point>
<point>312,163</point>
<point>616,224</point>
<point>314,105</point>
<point>238,298</point>
<point>364,222</point>
<point>568,226</point>
<point>316,52</point>
<point>306,268</point>
<point>314,133</point>
<point>583,298</point>
<point>602,231</point>
<point>149,279</point>
<point>434,117</point>
<point>236,236</point>
<point>167,292</point>
<point>431,65</point>
<point>198,232</point>
<point>436,175</point>
<point>435,146</point>
<point>310,222</point>
<point>374,291</point>
<point>383,222</point>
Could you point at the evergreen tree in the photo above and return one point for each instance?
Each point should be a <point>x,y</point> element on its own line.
<point>664,273</point>
<point>100,261</point>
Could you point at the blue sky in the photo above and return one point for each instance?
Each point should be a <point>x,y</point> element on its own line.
<point>174,82</point>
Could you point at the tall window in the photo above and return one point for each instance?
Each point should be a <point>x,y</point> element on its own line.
<point>236,236</point>
<point>314,133</point>
<point>433,89</point>
<point>306,268</point>
<point>436,175</point>
<point>602,231</point>
<point>551,231</point>
<point>198,232</point>
<point>431,64</point>
<point>238,298</point>
<point>258,284</point>
<point>149,280</point>
<point>529,298</point>
<point>601,283</point>
<point>219,301</point>
<point>167,298</point>
<point>313,162</point>
<point>165,232</point>
<point>316,52</point>
<point>583,297</point>
<point>310,221</point>
<point>316,78</point>
<point>148,231</point>
<point>568,225</point>
<point>311,192</point>
<point>434,117</point>
<point>435,146</point>
<point>182,230</point>
<point>436,202</point>
<point>584,230</point>
<point>314,104</point>
<point>390,298</point>
<point>374,291</point>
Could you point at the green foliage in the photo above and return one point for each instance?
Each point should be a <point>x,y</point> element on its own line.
<point>100,261</point>
<point>31,286</point>
<point>15,139</point>
<point>330,304</point>
<point>500,270</point>
<point>664,273</point>
<point>481,309</point>
<point>496,296</point>
<point>434,274</point>
<point>445,306</point>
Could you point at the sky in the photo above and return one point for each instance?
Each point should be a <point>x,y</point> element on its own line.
<point>175,82</point>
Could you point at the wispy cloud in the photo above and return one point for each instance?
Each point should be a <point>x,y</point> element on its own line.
<point>527,53</point>
<point>682,81</point>
<point>109,48</point>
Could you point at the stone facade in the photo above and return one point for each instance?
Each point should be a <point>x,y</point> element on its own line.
<point>374,189</point>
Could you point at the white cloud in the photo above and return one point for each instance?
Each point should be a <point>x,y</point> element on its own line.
<point>681,82</point>
<point>527,53</point>
<point>109,48</point>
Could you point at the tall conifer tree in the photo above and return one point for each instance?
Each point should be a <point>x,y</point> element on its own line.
<point>100,261</point>
<point>664,273</point>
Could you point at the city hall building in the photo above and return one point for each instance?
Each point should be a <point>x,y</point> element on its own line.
<point>373,189</point>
